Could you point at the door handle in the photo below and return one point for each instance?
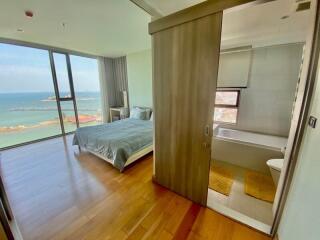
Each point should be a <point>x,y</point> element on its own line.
<point>207,130</point>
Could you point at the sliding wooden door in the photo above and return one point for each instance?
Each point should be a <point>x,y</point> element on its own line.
<point>185,67</point>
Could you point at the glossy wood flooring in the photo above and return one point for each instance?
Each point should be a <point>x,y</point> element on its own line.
<point>57,194</point>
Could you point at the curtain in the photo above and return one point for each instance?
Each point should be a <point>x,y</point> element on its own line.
<point>106,77</point>
<point>113,81</point>
<point>121,79</point>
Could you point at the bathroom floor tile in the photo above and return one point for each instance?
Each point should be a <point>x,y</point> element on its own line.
<point>241,202</point>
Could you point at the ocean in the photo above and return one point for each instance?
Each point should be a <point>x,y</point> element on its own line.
<point>29,116</point>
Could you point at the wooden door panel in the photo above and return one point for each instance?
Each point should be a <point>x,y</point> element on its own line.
<point>185,66</point>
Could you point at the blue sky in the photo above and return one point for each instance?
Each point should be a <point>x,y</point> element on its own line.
<point>24,69</point>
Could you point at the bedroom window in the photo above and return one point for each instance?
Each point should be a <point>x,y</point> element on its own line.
<point>87,89</point>
<point>226,106</point>
<point>45,94</point>
<point>28,107</point>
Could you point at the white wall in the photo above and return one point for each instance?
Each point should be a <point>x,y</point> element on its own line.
<point>139,67</point>
<point>266,104</point>
<point>301,218</point>
<point>243,155</point>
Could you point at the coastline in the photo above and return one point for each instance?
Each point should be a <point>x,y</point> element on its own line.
<point>27,116</point>
<point>83,118</point>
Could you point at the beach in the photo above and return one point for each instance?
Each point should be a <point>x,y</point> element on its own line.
<point>29,116</point>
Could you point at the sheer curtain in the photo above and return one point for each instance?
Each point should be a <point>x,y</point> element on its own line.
<point>113,81</point>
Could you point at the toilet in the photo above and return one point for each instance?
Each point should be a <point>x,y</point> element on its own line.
<point>275,166</point>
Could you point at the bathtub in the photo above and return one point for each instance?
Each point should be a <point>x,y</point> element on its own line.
<point>246,149</point>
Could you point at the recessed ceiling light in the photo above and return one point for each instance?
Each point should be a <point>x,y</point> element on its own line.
<point>28,13</point>
<point>19,30</point>
<point>285,17</point>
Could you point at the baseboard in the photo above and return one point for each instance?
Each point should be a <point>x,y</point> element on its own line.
<point>154,178</point>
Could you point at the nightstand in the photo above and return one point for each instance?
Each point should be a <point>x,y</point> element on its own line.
<point>117,113</point>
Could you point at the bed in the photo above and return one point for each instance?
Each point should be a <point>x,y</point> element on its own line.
<point>119,143</point>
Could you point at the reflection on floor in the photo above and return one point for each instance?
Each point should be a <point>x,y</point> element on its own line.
<point>239,201</point>
<point>57,194</point>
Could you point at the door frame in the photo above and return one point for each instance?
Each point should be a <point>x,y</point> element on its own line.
<point>302,122</point>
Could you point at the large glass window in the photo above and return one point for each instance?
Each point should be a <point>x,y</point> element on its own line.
<point>28,108</point>
<point>60,64</point>
<point>87,89</point>
<point>30,79</point>
<point>226,106</point>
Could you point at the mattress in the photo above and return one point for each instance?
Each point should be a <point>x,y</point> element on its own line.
<point>116,141</point>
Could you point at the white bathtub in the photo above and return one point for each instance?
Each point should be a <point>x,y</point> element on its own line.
<point>246,149</point>
<point>255,139</point>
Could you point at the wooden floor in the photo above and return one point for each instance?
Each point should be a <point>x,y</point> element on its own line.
<point>57,194</point>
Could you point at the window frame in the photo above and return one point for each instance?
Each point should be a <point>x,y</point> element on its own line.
<point>48,49</point>
<point>230,106</point>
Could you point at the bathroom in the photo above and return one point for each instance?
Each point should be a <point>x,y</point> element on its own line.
<point>258,82</point>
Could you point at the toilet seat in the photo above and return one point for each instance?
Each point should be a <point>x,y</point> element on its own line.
<point>275,164</point>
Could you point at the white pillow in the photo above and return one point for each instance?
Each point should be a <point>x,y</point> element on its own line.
<point>147,111</point>
<point>138,113</point>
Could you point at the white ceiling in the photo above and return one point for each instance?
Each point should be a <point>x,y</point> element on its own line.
<point>100,27</point>
<point>257,25</point>
<point>261,25</point>
<point>118,27</point>
<point>166,7</point>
